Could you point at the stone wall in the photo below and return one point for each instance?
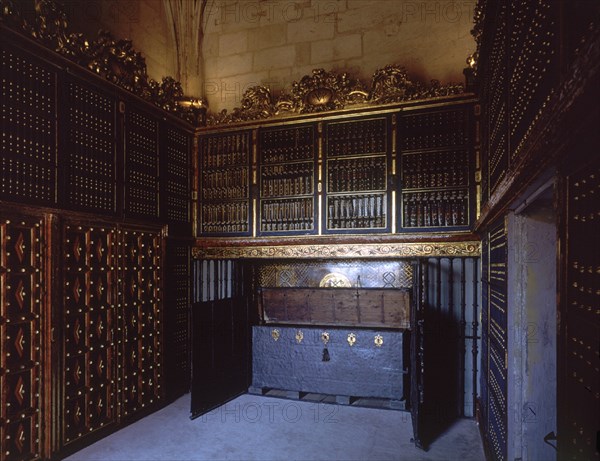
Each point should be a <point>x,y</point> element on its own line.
<point>276,42</point>
<point>142,21</point>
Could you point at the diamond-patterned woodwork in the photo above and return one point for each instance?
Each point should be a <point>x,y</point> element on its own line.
<point>139,316</point>
<point>28,126</point>
<point>89,311</point>
<point>21,264</point>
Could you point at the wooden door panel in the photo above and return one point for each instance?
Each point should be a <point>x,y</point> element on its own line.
<point>579,327</point>
<point>89,371</point>
<point>21,317</point>
<point>140,343</point>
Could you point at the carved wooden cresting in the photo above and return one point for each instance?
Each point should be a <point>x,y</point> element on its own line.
<point>21,338</point>
<point>90,372</point>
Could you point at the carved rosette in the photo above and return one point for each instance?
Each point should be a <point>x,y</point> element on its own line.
<point>324,91</point>
<point>388,250</point>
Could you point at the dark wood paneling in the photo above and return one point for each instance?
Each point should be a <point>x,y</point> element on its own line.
<point>89,328</point>
<point>81,352</point>
<point>142,161</point>
<point>177,176</point>
<point>221,357</point>
<point>177,318</point>
<point>579,362</point>
<point>90,149</point>
<point>21,338</point>
<point>139,315</point>
<point>371,307</point>
<point>495,341</point>
<point>28,146</point>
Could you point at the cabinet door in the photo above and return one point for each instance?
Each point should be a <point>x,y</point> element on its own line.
<point>224,179</point>
<point>417,352</point>
<point>221,335</point>
<point>358,196</point>
<point>140,340</point>
<point>579,331</point>
<point>21,321</point>
<point>89,279</point>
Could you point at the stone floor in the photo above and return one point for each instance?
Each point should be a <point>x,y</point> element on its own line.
<point>253,427</point>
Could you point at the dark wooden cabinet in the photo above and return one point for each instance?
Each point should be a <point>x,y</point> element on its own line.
<point>399,170</point>
<point>95,187</point>
<point>23,336</point>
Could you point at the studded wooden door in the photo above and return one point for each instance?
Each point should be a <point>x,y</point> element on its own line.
<point>177,318</point>
<point>495,340</point>
<point>89,147</point>
<point>28,158</point>
<point>579,332</point>
<point>89,316</point>
<point>140,320</point>
<point>21,320</point>
<point>141,165</point>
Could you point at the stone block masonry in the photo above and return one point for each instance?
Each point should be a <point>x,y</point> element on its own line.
<point>276,42</point>
<point>285,40</point>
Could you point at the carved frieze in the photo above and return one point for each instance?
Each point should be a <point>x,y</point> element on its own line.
<point>383,250</point>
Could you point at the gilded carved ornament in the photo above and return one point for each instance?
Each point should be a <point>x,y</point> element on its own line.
<point>324,91</point>
<point>113,59</point>
<point>117,61</point>
<point>388,250</point>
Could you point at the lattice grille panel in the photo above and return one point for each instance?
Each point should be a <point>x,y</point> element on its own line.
<point>142,165</point>
<point>90,147</point>
<point>89,315</point>
<point>225,183</point>
<point>140,319</point>
<point>21,299</point>
<point>434,130</point>
<point>357,137</point>
<point>178,176</point>
<point>28,126</point>
<point>368,274</point>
